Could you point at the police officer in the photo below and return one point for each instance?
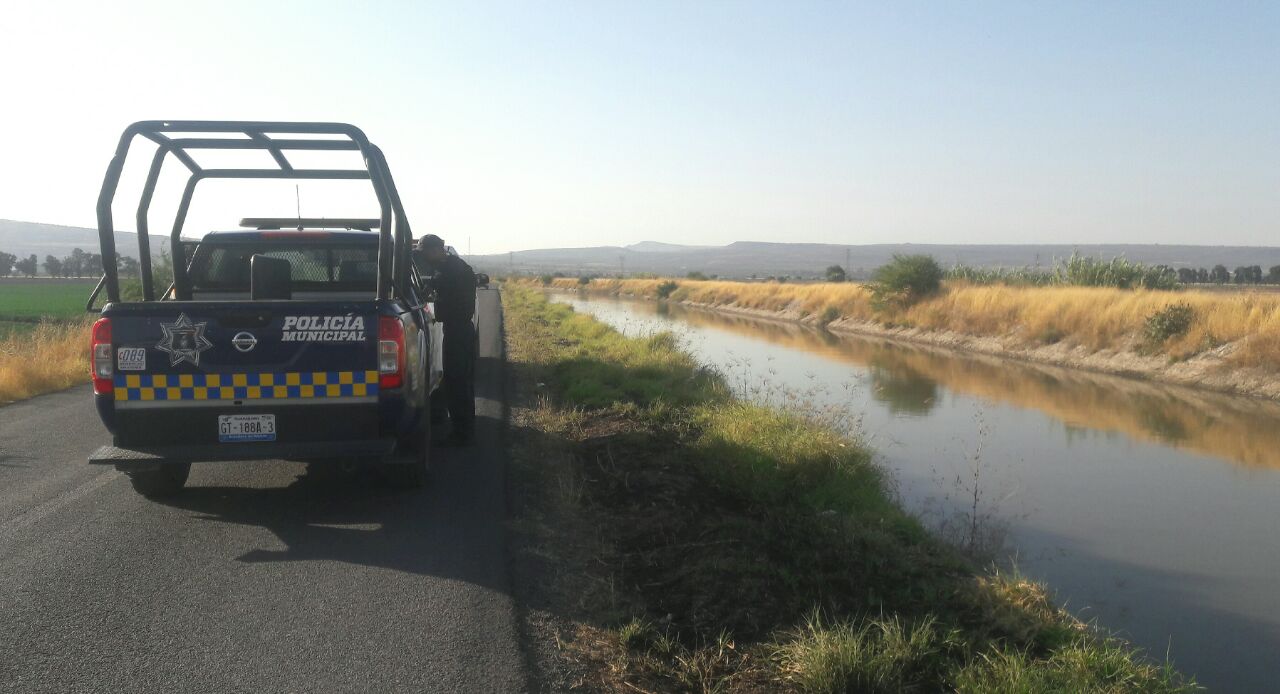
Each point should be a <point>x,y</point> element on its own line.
<point>455,286</point>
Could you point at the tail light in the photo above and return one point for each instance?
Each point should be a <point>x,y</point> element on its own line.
<point>100,362</point>
<point>390,352</point>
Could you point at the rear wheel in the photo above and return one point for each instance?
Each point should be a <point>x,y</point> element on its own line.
<point>165,481</point>
<point>413,474</point>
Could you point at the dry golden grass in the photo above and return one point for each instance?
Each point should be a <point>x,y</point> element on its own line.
<point>53,356</point>
<point>1095,317</point>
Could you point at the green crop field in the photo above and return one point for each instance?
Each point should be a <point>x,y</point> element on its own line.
<point>31,300</point>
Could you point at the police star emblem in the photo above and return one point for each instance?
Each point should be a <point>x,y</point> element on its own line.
<point>183,340</point>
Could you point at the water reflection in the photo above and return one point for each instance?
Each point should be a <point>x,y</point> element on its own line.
<point>903,389</point>
<point>907,377</point>
<point>1148,507</point>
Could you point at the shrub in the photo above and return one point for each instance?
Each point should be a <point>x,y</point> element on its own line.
<point>695,275</point>
<point>665,289</point>
<point>829,314</point>
<point>546,280</point>
<point>835,273</point>
<point>584,280</point>
<point>906,279</point>
<point>1171,321</point>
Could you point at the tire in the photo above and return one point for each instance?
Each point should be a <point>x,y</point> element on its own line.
<point>166,481</point>
<point>414,475</point>
<point>439,408</point>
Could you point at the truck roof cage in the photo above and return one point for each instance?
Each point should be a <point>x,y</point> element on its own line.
<point>300,223</point>
<point>183,138</point>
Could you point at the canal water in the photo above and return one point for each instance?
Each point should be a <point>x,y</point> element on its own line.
<point>1154,510</point>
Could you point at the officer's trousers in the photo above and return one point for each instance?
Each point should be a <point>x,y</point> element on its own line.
<point>459,376</point>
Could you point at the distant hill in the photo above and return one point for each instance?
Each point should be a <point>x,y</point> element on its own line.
<point>660,247</point>
<point>762,259</point>
<point>24,238</point>
<point>739,259</point>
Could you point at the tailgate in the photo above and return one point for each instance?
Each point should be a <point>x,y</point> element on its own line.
<point>223,372</point>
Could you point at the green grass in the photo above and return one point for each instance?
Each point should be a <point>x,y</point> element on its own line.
<point>700,543</point>
<point>1076,271</point>
<point>880,655</point>
<point>43,298</point>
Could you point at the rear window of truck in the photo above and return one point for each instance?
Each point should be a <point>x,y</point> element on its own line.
<point>312,269</point>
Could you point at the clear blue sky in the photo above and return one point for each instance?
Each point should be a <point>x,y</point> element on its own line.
<point>529,125</point>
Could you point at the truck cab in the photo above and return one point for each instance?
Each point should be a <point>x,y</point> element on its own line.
<point>296,339</point>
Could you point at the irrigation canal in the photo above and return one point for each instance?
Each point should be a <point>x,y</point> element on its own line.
<point>1153,509</point>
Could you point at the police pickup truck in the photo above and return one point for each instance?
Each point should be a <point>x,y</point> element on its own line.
<point>301,339</point>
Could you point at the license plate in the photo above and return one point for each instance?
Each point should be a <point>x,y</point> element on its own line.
<point>234,428</point>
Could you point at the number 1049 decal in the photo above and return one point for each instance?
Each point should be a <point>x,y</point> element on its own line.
<point>131,358</point>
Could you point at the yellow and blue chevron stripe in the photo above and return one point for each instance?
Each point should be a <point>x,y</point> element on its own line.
<point>246,386</point>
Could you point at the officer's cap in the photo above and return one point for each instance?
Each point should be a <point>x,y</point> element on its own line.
<point>430,241</point>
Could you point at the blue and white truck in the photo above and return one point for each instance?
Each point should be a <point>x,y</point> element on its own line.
<point>297,339</point>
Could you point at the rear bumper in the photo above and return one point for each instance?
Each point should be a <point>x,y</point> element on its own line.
<point>150,456</point>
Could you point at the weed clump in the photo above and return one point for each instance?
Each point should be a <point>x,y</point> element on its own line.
<point>1171,321</point>
<point>882,655</point>
<point>665,289</point>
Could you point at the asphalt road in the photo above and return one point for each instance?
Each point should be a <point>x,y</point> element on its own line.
<point>257,577</point>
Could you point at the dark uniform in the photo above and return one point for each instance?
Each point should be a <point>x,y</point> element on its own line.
<point>455,286</point>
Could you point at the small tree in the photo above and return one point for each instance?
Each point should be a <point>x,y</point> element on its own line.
<point>128,266</point>
<point>74,264</point>
<point>52,266</point>
<point>835,273</point>
<point>26,266</point>
<point>1273,275</point>
<point>906,279</point>
<point>1219,274</point>
<point>1187,275</point>
<point>7,261</point>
